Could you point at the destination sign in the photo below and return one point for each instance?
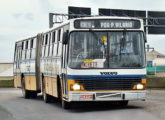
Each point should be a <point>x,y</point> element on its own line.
<point>107,24</point>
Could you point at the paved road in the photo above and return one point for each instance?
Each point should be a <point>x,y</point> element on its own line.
<point>14,107</point>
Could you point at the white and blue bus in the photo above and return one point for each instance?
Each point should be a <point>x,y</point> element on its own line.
<point>84,59</point>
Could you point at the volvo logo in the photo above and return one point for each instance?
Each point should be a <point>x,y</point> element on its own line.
<point>108,73</point>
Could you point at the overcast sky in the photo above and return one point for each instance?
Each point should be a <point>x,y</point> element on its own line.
<point>23,18</point>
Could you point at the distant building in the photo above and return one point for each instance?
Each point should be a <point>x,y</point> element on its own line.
<point>155,63</point>
<point>151,55</point>
<point>6,71</point>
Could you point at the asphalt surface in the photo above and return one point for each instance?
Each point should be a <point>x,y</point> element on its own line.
<point>14,107</point>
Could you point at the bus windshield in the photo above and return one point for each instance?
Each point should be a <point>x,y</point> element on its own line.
<point>106,50</point>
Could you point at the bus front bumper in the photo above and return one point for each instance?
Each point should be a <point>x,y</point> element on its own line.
<point>107,96</point>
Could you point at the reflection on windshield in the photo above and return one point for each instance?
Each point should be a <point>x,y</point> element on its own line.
<point>106,50</point>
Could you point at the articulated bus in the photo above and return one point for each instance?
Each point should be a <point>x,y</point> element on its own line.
<point>84,59</point>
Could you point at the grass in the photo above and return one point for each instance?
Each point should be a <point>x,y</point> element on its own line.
<point>6,78</point>
<point>6,83</point>
<point>151,83</point>
<point>156,82</point>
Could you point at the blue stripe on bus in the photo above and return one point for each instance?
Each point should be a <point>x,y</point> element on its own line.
<point>105,76</point>
<point>29,73</point>
<point>86,77</point>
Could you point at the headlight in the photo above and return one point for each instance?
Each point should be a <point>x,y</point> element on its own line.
<point>76,87</point>
<point>139,86</point>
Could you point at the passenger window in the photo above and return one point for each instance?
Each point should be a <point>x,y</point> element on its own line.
<point>46,45</point>
<point>43,40</point>
<point>46,39</point>
<point>31,45</point>
<point>34,42</point>
<point>50,38</point>
<point>27,44</point>
<point>32,53</point>
<point>59,35</point>
<point>22,45</point>
<point>58,38</point>
<point>59,47</point>
<point>15,57</point>
<point>53,37</point>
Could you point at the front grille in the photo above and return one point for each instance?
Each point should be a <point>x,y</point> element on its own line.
<point>108,83</point>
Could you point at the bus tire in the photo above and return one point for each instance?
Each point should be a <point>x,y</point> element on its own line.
<point>26,93</point>
<point>33,94</point>
<point>46,97</point>
<point>59,89</point>
<point>123,103</point>
<point>65,104</point>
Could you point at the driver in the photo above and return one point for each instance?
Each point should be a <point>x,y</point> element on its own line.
<point>124,48</point>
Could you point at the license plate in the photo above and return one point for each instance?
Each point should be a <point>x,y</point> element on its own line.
<point>89,65</point>
<point>89,96</point>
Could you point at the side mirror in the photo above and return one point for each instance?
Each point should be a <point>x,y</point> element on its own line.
<point>65,37</point>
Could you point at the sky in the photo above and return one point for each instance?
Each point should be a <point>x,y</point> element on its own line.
<point>20,19</point>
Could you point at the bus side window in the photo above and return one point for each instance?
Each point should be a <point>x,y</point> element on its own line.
<point>58,39</point>
<point>15,56</point>
<point>15,53</point>
<point>43,46</point>
<point>55,44</point>
<point>64,60</point>
<point>49,43</point>
<point>34,42</point>
<point>53,37</point>
<point>19,56</point>
<point>46,45</point>
<point>26,50</point>
<point>32,47</point>
<point>50,48</point>
<point>23,50</point>
<point>31,44</point>
<point>22,45</point>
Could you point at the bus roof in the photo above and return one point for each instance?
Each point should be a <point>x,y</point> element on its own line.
<point>83,18</point>
<point>107,17</point>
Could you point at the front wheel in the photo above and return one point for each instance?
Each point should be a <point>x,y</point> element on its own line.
<point>65,104</point>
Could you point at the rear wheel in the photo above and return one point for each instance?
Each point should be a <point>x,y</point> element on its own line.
<point>123,103</point>
<point>26,93</point>
<point>46,97</point>
<point>33,94</point>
